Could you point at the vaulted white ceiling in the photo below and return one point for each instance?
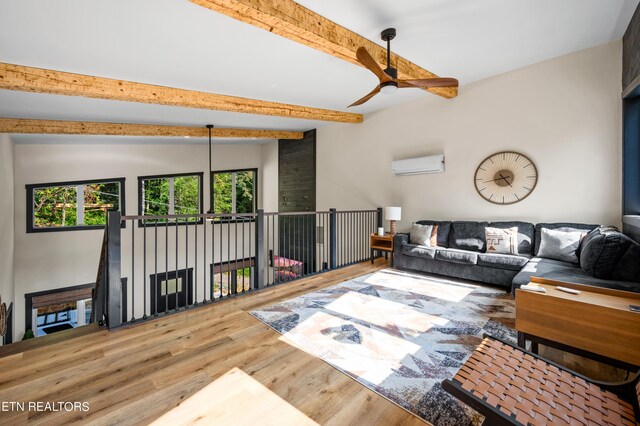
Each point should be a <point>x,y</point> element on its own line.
<point>176,43</point>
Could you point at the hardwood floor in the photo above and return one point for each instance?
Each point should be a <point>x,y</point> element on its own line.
<point>212,365</point>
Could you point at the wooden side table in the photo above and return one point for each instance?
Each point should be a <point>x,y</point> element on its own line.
<point>596,323</point>
<point>382,243</point>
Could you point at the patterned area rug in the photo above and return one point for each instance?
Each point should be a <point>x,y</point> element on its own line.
<point>399,334</point>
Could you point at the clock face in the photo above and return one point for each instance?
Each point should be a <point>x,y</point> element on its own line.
<point>506,178</point>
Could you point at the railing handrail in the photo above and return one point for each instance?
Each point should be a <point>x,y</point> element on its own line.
<point>245,215</point>
<point>187,216</point>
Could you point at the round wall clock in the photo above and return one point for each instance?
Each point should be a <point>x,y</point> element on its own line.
<point>506,178</point>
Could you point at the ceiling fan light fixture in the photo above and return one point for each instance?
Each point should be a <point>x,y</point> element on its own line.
<point>389,87</point>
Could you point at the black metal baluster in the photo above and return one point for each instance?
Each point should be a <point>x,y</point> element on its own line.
<point>177,307</point>
<point>275,251</point>
<point>155,276</point>
<point>213,259</point>
<point>186,261</point>
<point>204,260</point>
<point>133,271</point>
<point>255,261</point>
<point>360,227</point>
<point>298,245</point>
<point>195,257</point>
<point>220,260</point>
<point>229,277</point>
<point>352,237</point>
<point>269,252</point>
<point>166,266</point>
<point>243,266</point>
<point>144,271</point>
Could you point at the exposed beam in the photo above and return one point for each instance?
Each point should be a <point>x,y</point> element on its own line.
<point>297,23</point>
<point>20,125</point>
<point>29,79</point>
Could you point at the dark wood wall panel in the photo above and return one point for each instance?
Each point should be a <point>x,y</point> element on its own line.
<point>631,51</point>
<point>297,193</point>
<point>297,173</point>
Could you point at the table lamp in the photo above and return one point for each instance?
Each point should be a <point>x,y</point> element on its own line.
<point>392,214</point>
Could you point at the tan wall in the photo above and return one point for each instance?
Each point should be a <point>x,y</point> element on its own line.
<point>61,259</point>
<point>565,114</point>
<point>6,219</point>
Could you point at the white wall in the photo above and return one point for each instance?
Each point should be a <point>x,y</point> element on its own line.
<point>270,167</point>
<point>60,259</point>
<point>6,219</point>
<point>565,114</point>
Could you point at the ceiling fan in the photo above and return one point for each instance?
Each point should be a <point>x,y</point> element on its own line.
<point>389,81</point>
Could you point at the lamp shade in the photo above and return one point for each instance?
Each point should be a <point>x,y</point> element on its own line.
<point>393,213</point>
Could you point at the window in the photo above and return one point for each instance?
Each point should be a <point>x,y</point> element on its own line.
<point>171,289</point>
<point>70,206</point>
<point>231,277</point>
<point>235,191</point>
<point>54,310</point>
<point>170,194</point>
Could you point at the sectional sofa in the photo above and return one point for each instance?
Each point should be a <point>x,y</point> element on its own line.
<point>607,258</point>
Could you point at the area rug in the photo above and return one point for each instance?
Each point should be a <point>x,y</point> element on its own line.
<point>399,334</point>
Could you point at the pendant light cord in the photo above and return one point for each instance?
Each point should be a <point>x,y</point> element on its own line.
<point>210,127</point>
<point>388,53</point>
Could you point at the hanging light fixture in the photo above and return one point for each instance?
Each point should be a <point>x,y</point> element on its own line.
<point>210,127</point>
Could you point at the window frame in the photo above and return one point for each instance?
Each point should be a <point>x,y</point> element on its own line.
<point>255,194</point>
<point>31,228</point>
<point>142,223</point>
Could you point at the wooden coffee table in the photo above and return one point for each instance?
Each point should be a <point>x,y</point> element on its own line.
<point>597,323</point>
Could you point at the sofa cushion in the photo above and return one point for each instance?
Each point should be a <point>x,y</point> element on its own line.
<point>415,250</point>
<point>457,256</point>
<point>560,245</point>
<point>502,261</point>
<point>420,234</point>
<point>601,249</point>
<point>628,267</point>
<point>562,271</point>
<point>467,236</point>
<point>526,234</point>
<point>562,226</point>
<point>444,228</point>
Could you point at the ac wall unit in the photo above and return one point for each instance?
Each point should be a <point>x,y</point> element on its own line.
<point>416,166</point>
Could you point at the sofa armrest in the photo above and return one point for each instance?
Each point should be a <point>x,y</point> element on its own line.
<point>399,240</point>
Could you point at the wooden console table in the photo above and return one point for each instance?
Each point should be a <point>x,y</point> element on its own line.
<point>382,243</point>
<point>596,323</point>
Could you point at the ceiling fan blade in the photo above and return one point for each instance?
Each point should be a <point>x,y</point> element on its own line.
<point>365,58</point>
<point>366,98</point>
<point>429,82</point>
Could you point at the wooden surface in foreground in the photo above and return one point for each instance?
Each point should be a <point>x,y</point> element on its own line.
<point>214,364</point>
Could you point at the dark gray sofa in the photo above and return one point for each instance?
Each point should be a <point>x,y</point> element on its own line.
<point>461,253</point>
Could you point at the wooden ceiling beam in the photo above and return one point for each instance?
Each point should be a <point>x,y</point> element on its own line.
<point>39,80</point>
<point>297,23</point>
<point>21,125</point>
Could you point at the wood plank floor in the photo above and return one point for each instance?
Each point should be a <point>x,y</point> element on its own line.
<point>212,365</point>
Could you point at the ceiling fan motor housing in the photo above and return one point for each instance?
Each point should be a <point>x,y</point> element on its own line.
<point>391,72</point>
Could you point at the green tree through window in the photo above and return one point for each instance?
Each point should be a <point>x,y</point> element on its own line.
<point>170,194</point>
<point>71,205</point>
<point>234,191</point>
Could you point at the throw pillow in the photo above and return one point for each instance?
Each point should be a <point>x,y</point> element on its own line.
<point>601,250</point>
<point>628,267</point>
<point>421,234</point>
<point>504,241</point>
<point>434,236</point>
<point>560,245</point>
